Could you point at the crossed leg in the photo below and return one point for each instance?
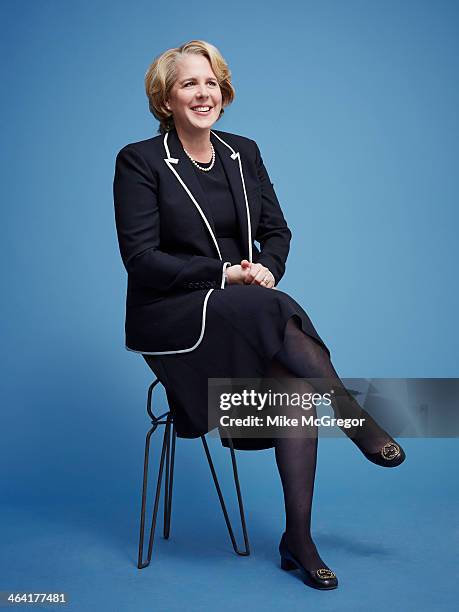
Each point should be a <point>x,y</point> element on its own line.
<point>304,357</point>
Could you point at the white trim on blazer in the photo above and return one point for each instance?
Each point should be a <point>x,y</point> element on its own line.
<point>172,160</point>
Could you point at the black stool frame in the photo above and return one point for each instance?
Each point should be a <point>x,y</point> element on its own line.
<point>168,454</point>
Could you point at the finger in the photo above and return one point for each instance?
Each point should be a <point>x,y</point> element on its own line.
<point>252,272</point>
<point>268,281</point>
<point>260,276</point>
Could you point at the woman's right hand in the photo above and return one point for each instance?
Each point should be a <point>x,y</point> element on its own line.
<point>236,274</point>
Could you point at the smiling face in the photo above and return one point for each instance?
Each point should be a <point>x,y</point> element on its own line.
<point>196,88</point>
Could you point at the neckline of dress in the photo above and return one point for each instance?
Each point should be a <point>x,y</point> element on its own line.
<point>206,165</point>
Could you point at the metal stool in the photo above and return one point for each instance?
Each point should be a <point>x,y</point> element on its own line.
<point>168,453</point>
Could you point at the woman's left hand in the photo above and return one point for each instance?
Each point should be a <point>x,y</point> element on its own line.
<point>256,274</point>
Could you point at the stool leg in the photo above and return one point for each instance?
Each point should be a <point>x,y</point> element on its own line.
<point>239,499</point>
<point>141,564</point>
<point>245,552</point>
<point>169,482</point>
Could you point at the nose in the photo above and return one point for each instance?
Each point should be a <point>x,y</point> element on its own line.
<point>202,91</point>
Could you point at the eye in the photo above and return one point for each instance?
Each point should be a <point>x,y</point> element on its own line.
<point>211,81</point>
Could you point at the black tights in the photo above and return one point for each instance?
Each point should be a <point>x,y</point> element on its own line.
<point>296,458</point>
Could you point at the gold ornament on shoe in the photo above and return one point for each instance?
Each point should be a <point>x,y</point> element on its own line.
<point>390,451</point>
<point>324,574</point>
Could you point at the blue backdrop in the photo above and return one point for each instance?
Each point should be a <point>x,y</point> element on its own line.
<point>354,107</point>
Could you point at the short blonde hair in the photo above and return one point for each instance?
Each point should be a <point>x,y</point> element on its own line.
<point>161,76</point>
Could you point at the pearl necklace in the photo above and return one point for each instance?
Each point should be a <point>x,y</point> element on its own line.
<point>196,163</point>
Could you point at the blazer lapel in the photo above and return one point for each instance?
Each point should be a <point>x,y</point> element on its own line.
<point>180,164</point>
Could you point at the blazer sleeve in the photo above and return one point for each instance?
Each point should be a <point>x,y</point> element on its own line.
<point>272,232</point>
<point>138,228</point>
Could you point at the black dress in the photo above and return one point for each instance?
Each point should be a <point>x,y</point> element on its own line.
<point>245,327</point>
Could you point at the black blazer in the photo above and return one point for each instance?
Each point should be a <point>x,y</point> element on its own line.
<point>167,236</point>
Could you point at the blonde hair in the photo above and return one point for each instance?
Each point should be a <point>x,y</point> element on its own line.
<point>161,76</point>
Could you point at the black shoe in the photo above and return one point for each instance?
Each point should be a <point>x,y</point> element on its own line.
<point>322,578</point>
<point>389,455</point>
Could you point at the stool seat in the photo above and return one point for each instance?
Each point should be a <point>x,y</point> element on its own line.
<point>168,457</point>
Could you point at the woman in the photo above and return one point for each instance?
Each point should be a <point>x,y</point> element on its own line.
<point>202,299</point>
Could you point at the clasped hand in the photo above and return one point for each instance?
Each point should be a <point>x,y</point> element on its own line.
<point>247,273</point>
